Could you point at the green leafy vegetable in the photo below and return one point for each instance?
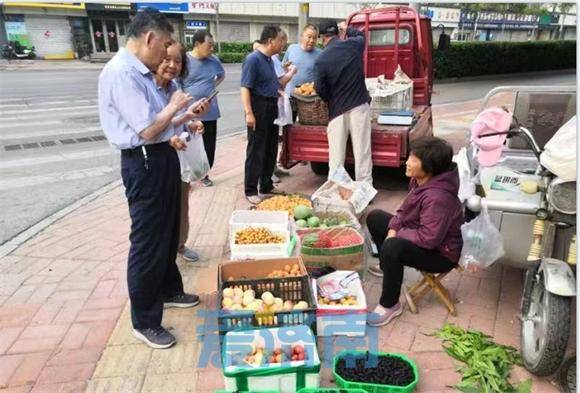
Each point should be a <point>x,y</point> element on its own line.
<point>487,364</point>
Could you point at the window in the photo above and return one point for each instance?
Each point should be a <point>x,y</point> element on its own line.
<point>382,37</point>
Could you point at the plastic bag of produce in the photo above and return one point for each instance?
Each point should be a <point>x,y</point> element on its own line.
<point>340,192</point>
<point>482,243</point>
<point>193,160</point>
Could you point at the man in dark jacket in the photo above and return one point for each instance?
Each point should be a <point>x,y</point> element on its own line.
<point>340,81</point>
<point>425,233</point>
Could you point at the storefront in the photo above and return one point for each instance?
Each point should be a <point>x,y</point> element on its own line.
<point>108,26</point>
<point>46,26</point>
<point>173,11</point>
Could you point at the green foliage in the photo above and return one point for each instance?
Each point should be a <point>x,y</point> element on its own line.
<point>231,57</point>
<point>487,365</point>
<point>489,58</point>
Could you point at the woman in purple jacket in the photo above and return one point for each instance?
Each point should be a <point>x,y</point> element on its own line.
<point>425,232</point>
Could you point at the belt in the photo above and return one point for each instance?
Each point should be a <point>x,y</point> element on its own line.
<point>140,151</point>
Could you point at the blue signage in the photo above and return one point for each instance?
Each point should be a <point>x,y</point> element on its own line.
<point>497,19</point>
<point>175,8</point>
<point>195,24</point>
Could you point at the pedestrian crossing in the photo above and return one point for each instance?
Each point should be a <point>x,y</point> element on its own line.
<point>52,153</point>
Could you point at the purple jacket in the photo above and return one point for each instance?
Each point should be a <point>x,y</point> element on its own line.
<point>431,215</point>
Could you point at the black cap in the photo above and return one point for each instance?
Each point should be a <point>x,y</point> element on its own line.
<point>328,27</point>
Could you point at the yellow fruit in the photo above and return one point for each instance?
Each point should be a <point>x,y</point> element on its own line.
<point>228,292</point>
<point>238,300</point>
<point>238,292</point>
<point>288,305</point>
<point>268,298</point>
<point>227,302</point>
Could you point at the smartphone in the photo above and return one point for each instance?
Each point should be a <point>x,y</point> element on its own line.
<point>212,95</point>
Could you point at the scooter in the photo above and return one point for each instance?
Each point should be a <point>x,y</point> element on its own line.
<point>539,236</point>
<point>14,50</point>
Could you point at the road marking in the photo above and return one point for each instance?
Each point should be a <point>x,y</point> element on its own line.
<point>40,133</point>
<point>65,108</point>
<point>29,105</point>
<point>59,157</point>
<point>20,182</point>
<point>18,123</point>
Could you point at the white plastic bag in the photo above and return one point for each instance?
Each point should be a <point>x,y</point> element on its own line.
<point>284,111</point>
<point>340,192</point>
<point>482,243</point>
<point>559,155</point>
<point>466,183</point>
<point>193,160</point>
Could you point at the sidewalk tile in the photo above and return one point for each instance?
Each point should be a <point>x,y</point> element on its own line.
<point>69,311</point>
<point>47,312</point>
<point>8,365</point>
<point>438,379</point>
<point>130,384</point>
<point>179,359</point>
<point>31,345</point>
<point>105,314</point>
<point>17,315</point>
<point>85,354</point>
<point>7,337</point>
<point>67,373</point>
<point>44,331</point>
<point>124,360</point>
<point>29,369</point>
<point>175,383</point>
<point>99,333</point>
<point>76,336</point>
<point>18,389</point>
<point>67,387</point>
<point>103,289</point>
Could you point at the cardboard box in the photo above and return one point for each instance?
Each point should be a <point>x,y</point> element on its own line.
<point>256,269</point>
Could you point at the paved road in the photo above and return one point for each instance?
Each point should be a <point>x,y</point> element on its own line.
<point>53,152</point>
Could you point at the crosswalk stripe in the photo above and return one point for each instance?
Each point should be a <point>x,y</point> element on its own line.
<point>25,105</point>
<point>8,184</point>
<point>66,108</point>
<point>59,157</point>
<point>44,133</point>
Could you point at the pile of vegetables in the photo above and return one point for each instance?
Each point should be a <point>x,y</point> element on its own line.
<point>306,218</point>
<point>283,202</point>
<point>487,364</point>
<point>331,238</point>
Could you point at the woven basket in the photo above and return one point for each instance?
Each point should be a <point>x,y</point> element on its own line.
<point>312,111</point>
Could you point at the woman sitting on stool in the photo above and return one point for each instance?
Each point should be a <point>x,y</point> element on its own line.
<point>425,232</point>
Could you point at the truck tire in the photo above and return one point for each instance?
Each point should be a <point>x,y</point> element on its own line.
<point>545,330</point>
<point>320,168</point>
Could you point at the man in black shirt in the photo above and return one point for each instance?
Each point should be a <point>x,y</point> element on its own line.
<point>340,81</point>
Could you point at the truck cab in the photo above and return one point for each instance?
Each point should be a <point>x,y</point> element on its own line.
<point>395,36</point>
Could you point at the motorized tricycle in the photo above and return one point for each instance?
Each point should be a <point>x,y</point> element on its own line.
<point>538,228</point>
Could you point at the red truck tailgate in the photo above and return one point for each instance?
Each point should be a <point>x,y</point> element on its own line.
<point>389,144</point>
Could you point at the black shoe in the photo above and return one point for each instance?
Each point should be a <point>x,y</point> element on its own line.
<point>157,338</point>
<point>183,300</point>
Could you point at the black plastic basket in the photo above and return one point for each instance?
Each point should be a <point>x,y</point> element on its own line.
<point>288,288</point>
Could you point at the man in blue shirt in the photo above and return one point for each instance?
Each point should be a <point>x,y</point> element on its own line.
<point>144,124</point>
<point>259,93</point>
<point>303,56</point>
<point>340,81</point>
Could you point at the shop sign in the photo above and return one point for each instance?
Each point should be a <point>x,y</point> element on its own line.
<point>124,7</point>
<point>16,31</point>
<point>195,24</point>
<point>169,8</point>
<point>496,20</point>
<point>70,6</point>
<point>200,7</point>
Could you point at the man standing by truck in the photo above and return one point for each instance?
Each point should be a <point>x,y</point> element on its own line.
<point>340,81</point>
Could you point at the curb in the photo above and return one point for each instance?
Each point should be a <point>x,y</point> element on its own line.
<point>24,236</point>
<point>503,76</point>
<point>27,234</point>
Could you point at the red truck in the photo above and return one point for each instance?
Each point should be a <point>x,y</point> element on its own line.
<point>395,35</point>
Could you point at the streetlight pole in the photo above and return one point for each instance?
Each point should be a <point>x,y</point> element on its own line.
<point>303,10</point>
<point>217,26</point>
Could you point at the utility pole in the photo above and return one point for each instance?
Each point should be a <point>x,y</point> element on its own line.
<point>303,11</point>
<point>217,26</point>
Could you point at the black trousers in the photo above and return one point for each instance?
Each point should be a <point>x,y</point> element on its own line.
<point>209,140</point>
<point>153,194</point>
<point>396,253</point>
<point>262,149</point>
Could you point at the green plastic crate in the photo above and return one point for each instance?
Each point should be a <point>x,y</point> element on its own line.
<point>239,391</point>
<point>331,390</point>
<point>371,387</point>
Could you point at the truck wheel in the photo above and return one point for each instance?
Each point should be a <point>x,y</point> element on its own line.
<point>545,329</point>
<point>320,168</point>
